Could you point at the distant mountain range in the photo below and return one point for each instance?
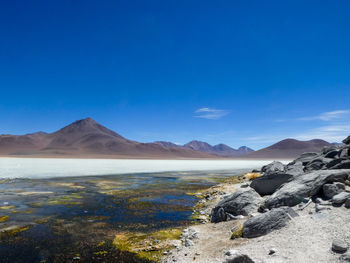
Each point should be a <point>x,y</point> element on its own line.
<point>87,138</point>
<point>220,149</point>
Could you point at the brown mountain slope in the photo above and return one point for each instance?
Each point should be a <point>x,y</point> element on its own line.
<point>288,148</point>
<point>88,138</point>
<point>219,149</point>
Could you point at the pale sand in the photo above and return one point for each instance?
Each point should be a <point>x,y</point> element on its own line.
<point>306,239</point>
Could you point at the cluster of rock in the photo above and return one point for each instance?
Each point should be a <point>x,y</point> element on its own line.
<point>322,178</point>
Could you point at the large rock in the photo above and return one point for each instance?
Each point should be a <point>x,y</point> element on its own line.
<point>317,163</point>
<point>294,168</point>
<point>342,165</point>
<point>334,162</point>
<point>269,183</point>
<point>303,186</point>
<point>263,224</point>
<point>274,167</point>
<point>347,140</point>
<point>332,154</point>
<point>340,198</point>
<point>306,157</point>
<point>243,202</point>
<point>330,190</point>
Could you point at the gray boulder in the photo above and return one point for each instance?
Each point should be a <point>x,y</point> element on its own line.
<point>274,167</point>
<point>294,169</point>
<point>342,165</point>
<point>306,157</point>
<point>303,186</point>
<point>334,162</point>
<point>243,202</point>
<point>269,183</point>
<point>330,190</point>
<point>238,258</point>
<point>317,163</point>
<point>346,140</point>
<point>263,224</point>
<point>332,154</point>
<point>339,246</point>
<point>340,198</point>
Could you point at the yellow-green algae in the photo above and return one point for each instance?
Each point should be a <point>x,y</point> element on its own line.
<point>237,231</point>
<point>4,218</point>
<point>12,230</point>
<point>7,207</point>
<point>72,199</point>
<point>147,245</point>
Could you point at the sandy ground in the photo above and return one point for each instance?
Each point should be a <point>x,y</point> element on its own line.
<point>308,238</point>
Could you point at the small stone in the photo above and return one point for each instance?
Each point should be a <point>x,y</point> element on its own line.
<point>231,252</point>
<point>320,208</point>
<point>272,251</point>
<point>197,253</point>
<point>347,203</point>
<point>340,198</point>
<point>188,243</point>
<point>339,246</point>
<point>344,258</point>
<point>76,258</point>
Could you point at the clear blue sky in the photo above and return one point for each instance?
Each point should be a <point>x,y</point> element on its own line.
<point>237,72</point>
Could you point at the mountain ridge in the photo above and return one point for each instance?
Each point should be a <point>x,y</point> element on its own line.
<point>288,148</point>
<point>87,138</point>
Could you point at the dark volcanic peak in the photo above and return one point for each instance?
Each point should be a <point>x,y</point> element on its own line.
<point>289,148</point>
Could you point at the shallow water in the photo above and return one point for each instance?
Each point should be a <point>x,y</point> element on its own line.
<point>58,218</point>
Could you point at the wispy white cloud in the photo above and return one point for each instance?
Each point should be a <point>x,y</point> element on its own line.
<point>328,116</point>
<point>330,133</point>
<point>210,113</point>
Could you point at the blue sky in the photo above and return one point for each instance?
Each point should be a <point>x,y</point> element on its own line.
<point>237,72</point>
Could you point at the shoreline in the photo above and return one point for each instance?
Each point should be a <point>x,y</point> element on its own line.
<point>307,237</point>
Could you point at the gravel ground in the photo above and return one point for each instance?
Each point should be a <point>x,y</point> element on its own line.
<point>308,238</point>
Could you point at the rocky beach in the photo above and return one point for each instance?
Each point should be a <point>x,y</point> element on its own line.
<point>297,212</point>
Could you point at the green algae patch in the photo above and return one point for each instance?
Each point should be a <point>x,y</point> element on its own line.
<point>148,245</point>
<point>101,253</point>
<point>235,179</point>
<point>7,207</point>
<point>4,218</point>
<point>12,231</point>
<point>101,243</point>
<point>41,221</point>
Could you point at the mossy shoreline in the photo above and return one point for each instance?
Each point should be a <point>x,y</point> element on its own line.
<point>136,218</point>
